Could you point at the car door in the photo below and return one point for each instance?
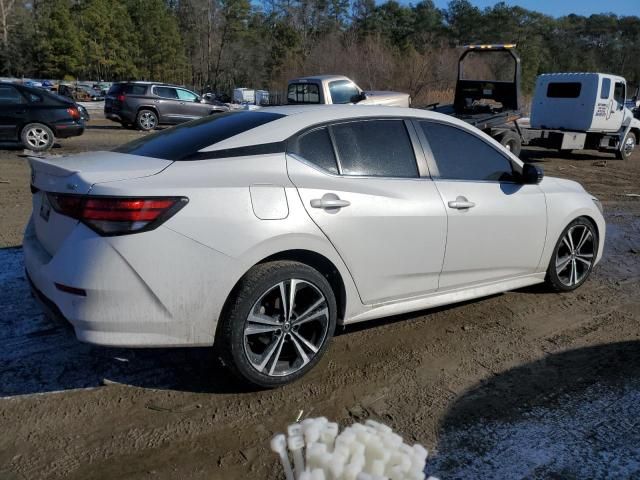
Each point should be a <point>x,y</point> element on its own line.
<point>496,225</point>
<point>168,104</point>
<point>360,183</point>
<point>190,105</point>
<point>13,111</point>
<point>616,114</point>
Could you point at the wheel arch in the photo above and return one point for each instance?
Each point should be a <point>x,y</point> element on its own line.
<point>313,259</point>
<point>153,108</point>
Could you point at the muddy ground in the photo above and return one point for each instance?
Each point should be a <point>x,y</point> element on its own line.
<point>527,384</point>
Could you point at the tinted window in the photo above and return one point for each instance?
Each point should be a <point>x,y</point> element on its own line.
<point>343,91</point>
<point>315,146</point>
<point>379,148</point>
<point>564,90</point>
<point>183,141</point>
<point>605,91</point>
<point>135,89</point>
<point>186,95</point>
<point>462,156</point>
<point>165,92</point>
<point>9,95</point>
<point>619,93</point>
<point>303,93</point>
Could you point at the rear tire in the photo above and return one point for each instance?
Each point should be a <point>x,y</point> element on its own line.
<point>629,145</point>
<point>511,141</point>
<point>573,257</point>
<point>37,137</point>
<point>146,120</point>
<point>260,340</point>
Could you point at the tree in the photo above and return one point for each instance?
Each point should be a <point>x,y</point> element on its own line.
<point>58,45</point>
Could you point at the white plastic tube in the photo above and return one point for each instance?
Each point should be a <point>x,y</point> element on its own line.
<point>279,445</point>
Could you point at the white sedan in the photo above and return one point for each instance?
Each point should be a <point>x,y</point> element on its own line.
<point>258,231</point>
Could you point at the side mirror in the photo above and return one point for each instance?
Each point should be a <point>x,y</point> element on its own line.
<point>358,98</point>
<point>531,174</point>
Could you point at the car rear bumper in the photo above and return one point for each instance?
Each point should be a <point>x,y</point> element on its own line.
<point>68,130</point>
<point>128,300</point>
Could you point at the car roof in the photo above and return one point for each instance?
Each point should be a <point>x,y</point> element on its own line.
<point>298,117</point>
<point>320,78</point>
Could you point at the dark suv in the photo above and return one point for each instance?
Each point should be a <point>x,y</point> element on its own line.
<point>146,105</point>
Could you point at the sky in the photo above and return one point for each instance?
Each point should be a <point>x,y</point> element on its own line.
<point>558,8</point>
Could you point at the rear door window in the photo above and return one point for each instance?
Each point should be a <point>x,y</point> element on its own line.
<point>376,148</point>
<point>303,93</point>
<point>166,92</point>
<point>459,155</point>
<point>10,95</point>
<point>315,146</point>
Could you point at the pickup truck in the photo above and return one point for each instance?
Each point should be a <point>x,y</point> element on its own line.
<point>337,89</point>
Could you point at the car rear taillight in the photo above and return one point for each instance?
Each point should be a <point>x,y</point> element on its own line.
<point>74,112</point>
<point>117,215</point>
<point>121,97</point>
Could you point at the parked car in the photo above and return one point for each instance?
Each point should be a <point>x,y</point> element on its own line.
<point>146,105</point>
<point>36,117</point>
<point>259,231</point>
<point>102,87</point>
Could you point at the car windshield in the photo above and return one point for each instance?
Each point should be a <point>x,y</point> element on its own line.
<point>183,141</point>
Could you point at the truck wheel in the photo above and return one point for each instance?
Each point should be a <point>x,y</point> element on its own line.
<point>511,141</point>
<point>628,147</point>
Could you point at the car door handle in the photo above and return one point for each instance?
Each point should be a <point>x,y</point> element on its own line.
<point>329,203</point>
<point>461,203</point>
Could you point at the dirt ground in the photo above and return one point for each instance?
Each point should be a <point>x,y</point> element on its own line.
<point>527,384</point>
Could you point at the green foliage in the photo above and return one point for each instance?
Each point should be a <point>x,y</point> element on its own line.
<point>222,43</point>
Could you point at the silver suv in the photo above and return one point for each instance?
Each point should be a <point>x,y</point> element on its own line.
<point>146,105</point>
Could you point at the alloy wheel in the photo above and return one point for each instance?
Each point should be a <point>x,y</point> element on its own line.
<point>37,138</point>
<point>286,327</point>
<point>575,255</point>
<point>148,120</point>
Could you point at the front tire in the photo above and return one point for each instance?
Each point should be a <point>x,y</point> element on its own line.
<point>147,120</point>
<point>573,257</point>
<point>628,146</point>
<point>277,324</point>
<point>37,137</point>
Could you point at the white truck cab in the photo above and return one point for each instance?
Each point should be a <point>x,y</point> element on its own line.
<point>582,110</point>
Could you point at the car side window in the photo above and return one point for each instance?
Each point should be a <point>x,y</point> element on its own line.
<point>135,89</point>
<point>303,93</point>
<point>315,146</point>
<point>10,95</point>
<point>377,148</point>
<point>166,92</point>
<point>459,155</point>
<point>186,95</point>
<point>343,91</point>
<point>619,93</point>
<point>605,91</point>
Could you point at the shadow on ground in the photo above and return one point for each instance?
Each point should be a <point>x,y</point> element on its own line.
<point>574,414</point>
<point>40,355</point>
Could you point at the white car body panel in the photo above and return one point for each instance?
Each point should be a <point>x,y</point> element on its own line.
<point>167,286</point>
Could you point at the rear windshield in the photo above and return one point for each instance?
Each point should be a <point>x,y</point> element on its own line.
<point>184,141</point>
<point>564,90</point>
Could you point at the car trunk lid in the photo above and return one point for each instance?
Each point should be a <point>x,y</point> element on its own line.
<point>75,175</point>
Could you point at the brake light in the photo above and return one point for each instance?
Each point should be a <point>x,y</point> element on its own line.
<point>117,215</point>
<point>74,112</point>
<point>121,97</point>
